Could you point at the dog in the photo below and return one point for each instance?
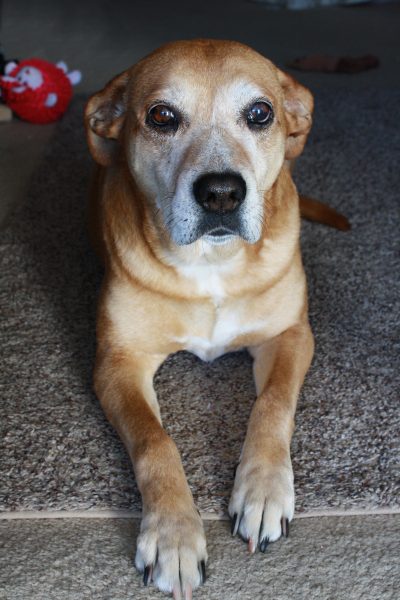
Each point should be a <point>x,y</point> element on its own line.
<point>196,217</point>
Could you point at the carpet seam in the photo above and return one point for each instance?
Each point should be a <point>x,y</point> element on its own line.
<point>126,514</point>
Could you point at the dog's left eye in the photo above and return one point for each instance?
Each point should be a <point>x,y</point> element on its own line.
<point>260,113</point>
<point>162,115</point>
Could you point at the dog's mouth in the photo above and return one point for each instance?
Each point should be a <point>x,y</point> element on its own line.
<point>221,231</point>
<point>220,235</point>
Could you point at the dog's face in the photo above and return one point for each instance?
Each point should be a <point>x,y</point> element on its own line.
<point>205,127</point>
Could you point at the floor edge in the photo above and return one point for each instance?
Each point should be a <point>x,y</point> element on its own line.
<point>126,514</point>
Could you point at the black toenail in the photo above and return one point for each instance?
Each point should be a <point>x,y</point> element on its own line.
<point>146,575</point>
<point>285,527</point>
<point>233,524</point>
<point>264,544</point>
<point>203,575</point>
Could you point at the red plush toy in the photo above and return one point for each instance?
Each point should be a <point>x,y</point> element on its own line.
<point>36,90</point>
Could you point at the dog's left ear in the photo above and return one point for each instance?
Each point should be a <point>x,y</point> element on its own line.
<point>104,117</point>
<point>298,104</point>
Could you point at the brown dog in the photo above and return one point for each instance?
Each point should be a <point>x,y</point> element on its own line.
<point>199,230</point>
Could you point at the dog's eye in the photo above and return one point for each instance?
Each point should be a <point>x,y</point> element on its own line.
<point>260,113</point>
<point>162,115</point>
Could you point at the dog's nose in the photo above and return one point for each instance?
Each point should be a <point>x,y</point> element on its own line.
<point>220,192</point>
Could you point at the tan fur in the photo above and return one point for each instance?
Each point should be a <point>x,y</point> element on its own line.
<point>314,210</point>
<point>158,297</point>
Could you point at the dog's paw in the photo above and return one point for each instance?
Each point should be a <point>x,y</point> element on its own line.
<point>262,503</point>
<point>171,552</point>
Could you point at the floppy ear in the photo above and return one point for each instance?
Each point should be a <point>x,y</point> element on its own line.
<point>104,117</point>
<point>298,104</point>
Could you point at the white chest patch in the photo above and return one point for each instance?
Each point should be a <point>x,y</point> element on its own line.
<point>227,328</point>
<point>207,277</point>
<point>207,282</point>
<point>230,323</point>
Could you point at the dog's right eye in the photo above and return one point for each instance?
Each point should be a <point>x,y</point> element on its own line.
<point>162,116</point>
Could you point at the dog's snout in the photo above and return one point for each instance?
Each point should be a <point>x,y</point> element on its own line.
<point>220,192</point>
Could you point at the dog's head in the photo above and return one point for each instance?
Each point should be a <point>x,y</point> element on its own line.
<point>204,127</point>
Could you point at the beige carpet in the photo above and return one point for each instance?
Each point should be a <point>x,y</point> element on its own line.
<point>56,449</point>
<point>350,558</point>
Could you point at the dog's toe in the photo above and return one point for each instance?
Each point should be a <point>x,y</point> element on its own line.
<point>171,552</point>
<point>262,504</point>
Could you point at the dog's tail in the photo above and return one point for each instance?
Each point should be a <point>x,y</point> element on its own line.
<point>314,210</point>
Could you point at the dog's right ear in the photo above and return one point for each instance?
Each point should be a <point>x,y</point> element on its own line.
<point>104,117</point>
<point>298,105</point>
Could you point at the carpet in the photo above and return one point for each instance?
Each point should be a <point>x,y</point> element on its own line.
<point>83,559</point>
<point>56,449</point>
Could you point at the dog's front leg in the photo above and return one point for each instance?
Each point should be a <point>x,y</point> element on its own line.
<point>171,547</point>
<point>262,502</point>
